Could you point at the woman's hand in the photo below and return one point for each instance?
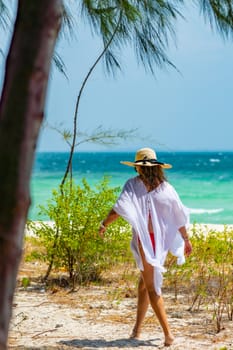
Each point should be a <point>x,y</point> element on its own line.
<point>187,247</point>
<point>102,229</point>
<point>187,244</point>
<point>112,216</point>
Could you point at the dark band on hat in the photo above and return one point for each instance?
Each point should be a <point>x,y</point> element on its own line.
<point>151,161</point>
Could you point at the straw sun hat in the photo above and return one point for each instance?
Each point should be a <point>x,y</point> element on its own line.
<point>146,157</point>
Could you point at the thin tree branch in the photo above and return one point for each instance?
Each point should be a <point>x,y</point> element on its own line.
<point>78,101</point>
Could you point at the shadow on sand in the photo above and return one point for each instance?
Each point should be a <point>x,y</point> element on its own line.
<point>102,343</point>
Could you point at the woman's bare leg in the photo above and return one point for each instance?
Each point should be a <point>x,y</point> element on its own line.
<point>142,306</point>
<point>156,301</point>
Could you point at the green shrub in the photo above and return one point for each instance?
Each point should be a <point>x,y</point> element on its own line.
<point>72,242</point>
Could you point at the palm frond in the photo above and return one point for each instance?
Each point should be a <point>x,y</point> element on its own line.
<point>68,31</point>
<point>156,28</point>
<point>111,60</point>
<point>219,13</point>
<point>145,25</point>
<point>4,15</point>
<point>68,21</point>
<point>59,63</point>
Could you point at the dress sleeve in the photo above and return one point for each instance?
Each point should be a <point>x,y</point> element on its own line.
<point>124,205</point>
<point>180,213</point>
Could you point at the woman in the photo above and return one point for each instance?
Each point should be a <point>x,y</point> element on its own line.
<point>158,219</point>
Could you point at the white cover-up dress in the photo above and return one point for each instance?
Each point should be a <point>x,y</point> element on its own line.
<point>167,213</point>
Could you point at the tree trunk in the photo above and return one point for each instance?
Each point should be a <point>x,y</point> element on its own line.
<point>21,113</point>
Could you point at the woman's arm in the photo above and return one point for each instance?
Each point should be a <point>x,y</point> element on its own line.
<point>112,216</point>
<point>187,243</point>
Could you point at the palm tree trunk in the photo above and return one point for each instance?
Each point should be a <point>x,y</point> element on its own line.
<point>21,113</point>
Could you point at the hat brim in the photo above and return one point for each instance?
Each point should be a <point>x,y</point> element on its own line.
<point>133,164</point>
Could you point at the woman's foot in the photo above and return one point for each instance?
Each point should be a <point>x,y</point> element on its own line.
<point>169,339</point>
<point>135,334</point>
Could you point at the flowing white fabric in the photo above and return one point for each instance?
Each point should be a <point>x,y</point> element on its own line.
<point>167,213</point>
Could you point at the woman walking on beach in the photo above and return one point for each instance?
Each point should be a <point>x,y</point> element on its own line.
<point>158,219</point>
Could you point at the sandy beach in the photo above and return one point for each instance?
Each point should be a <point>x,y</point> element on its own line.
<point>102,317</point>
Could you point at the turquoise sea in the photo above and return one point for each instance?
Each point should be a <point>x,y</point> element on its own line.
<point>204,180</point>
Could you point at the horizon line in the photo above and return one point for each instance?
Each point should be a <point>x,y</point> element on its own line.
<point>133,151</point>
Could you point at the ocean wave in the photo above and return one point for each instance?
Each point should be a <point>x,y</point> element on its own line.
<point>206,211</point>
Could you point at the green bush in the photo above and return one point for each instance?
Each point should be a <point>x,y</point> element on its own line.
<point>72,242</point>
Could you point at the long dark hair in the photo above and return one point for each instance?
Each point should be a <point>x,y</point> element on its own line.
<point>152,176</point>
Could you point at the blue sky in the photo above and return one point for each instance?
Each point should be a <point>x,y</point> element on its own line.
<point>187,111</point>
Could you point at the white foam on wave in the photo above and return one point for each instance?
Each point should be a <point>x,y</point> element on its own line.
<point>214,160</point>
<point>205,211</point>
